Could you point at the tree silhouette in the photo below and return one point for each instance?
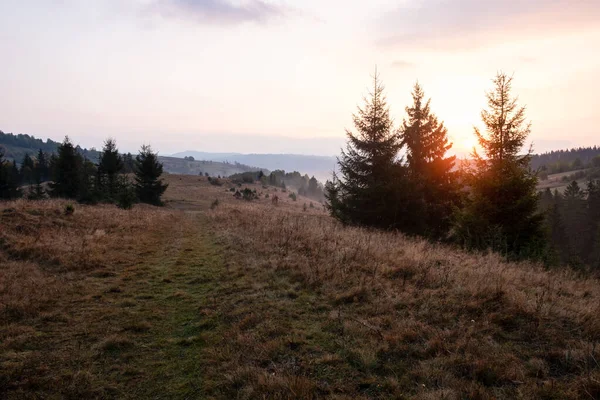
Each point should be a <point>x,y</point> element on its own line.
<point>67,168</point>
<point>365,192</point>
<point>110,166</point>
<point>431,170</point>
<point>502,210</point>
<point>148,169</point>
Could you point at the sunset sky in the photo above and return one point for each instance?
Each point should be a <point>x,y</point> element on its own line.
<point>286,76</point>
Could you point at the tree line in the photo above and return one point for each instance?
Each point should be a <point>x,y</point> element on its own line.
<point>68,174</point>
<point>572,220</point>
<point>305,185</point>
<point>403,179</point>
<point>558,161</point>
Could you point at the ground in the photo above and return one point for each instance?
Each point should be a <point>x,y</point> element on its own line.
<point>235,299</point>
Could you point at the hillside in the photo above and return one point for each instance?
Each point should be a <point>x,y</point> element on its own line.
<point>213,297</point>
<point>181,166</point>
<point>319,166</point>
<point>16,146</point>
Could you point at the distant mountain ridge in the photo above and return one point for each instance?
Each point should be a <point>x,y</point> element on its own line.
<point>319,166</point>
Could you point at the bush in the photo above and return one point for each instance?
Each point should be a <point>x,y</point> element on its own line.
<point>214,204</point>
<point>293,196</point>
<point>215,181</point>
<point>126,198</point>
<point>69,209</point>
<point>248,194</point>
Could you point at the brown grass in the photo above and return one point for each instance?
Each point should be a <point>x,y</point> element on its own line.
<point>402,317</point>
<point>249,300</point>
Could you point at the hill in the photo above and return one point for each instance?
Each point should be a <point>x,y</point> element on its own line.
<point>559,161</point>
<point>17,145</point>
<point>174,165</point>
<point>319,166</point>
<point>213,297</point>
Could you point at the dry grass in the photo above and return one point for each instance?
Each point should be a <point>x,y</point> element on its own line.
<point>248,300</point>
<point>57,273</point>
<point>399,317</point>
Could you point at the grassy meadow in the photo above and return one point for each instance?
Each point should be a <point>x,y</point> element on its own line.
<point>233,299</point>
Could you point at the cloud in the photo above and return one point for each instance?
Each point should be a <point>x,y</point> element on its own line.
<point>220,11</point>
<point>466,24</point>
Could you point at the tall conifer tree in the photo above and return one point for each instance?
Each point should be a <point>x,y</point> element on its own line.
<point>9,187</point>
<point>502,212</point>
<point>148,185</point>
<point>111,164</point>
<point>431,170</point>
<point>67,171</point>
<point>364,192</point>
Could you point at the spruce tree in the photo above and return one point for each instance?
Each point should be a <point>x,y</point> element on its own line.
<point>36,191</point>
<point>42,167</point>
<point>430,169</point>
<point>110,166</point>
<point>364,194</point>
<point>149,188</point>
<point>26,172</point>
<point>67,171</point>
<point>9,187</point>
<point>593,218</point>
<point>576,223</point>
<point>502,212</point>
<point>557,252</point>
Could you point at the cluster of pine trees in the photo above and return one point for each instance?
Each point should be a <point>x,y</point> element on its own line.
<point>573,224</point>
<point>70,175</point>
<point>308,187</point>
<point>402,179</point>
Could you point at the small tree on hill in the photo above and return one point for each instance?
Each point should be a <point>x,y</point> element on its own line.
<point>9,187</point>
<point>110,166</point>
<point>27,170</point>
<point>42,167</point>
<point>502,213</point>
<point>148,169</point>
<point>67,167</point>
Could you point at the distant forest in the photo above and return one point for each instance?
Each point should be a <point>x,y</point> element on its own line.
<point>16,146</point>
<point>555,162</point>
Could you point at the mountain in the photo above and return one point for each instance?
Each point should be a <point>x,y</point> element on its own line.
<point>319,166</point>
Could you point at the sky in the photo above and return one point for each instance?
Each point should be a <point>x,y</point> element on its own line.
<point>283,76</point>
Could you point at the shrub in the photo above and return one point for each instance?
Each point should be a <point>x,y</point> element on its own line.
<point>248,194</point>
<point>69,209</point>
<point>293,196</point>
<point>214,204</point>
<point>126,198</point>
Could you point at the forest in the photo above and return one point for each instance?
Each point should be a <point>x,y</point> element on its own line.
<point>491,203</point>
<point>68,174</point>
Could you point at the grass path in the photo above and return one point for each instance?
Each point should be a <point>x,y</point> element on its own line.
<point>170,295</point>
<point>134,329</point>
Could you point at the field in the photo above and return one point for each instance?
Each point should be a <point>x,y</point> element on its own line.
<point>555,181</point>
<point>234,299</point>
